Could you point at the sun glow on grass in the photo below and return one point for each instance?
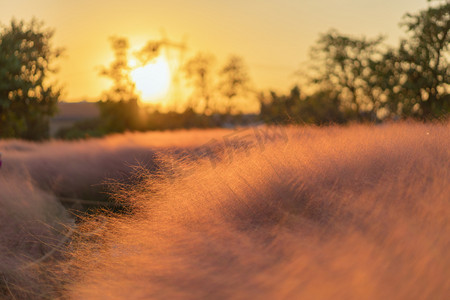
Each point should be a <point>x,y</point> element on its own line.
<point>153,80</point>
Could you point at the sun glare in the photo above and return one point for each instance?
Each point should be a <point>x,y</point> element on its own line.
<point>153,80</point>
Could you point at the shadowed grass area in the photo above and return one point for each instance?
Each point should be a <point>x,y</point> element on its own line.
<point>35,228</point>
<point>32,238</point>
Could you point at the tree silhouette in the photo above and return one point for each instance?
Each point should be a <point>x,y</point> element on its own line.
<point>409,81</point>
<point>321,107</point>
<point>199,72</point>
<point>120,110</point>
<point>27,97</point>
<point>234,81</point>
<point>345,63</point>
<point>118,71</point>
<point>416,75</point>
<point>280,109</point>
<point>150,51</point>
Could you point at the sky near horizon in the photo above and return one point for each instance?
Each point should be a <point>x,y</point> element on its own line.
<point>273,36</point>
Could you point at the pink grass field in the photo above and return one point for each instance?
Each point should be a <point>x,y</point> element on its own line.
<point>357,212</point>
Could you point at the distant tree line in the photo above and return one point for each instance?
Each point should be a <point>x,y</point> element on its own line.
<point>361,79</point>
<point>355,79</point>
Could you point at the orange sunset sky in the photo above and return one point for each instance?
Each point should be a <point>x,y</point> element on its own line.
<point>273,36</point>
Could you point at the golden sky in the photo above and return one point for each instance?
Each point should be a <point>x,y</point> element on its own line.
<point>273,36</point>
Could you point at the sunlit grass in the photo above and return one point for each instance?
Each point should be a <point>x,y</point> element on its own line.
<point>313,213</point>
<point>348,213</point>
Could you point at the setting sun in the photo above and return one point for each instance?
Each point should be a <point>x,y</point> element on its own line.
<point>153,80</point>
